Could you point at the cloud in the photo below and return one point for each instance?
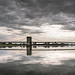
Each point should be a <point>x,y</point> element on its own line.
<point>3,37</point>
<point>17,13</point>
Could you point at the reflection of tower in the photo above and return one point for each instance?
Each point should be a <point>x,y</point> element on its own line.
<point>29,45</point>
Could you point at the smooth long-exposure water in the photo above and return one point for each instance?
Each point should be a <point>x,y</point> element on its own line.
<point>16,62</point>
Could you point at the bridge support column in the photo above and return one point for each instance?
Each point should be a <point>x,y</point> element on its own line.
<point>29,45</point>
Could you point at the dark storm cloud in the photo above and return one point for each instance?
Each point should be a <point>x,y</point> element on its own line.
<point>36,32</point>
<point>17,13</point>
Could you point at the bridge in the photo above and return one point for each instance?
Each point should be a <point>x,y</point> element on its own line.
<point>29,43</point>
<point>34,42</point>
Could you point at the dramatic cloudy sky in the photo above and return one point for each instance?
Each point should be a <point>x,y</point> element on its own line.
<point>45,20</point>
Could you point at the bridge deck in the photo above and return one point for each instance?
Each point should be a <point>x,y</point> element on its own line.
<point>32,42</point>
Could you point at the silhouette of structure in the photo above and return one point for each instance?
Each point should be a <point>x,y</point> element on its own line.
<point>29,45</point>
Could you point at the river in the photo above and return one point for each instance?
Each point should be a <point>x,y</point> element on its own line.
<point>43,61</point>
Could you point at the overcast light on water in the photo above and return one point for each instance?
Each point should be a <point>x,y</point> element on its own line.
<point>39,63</point>
<point>50,23</point>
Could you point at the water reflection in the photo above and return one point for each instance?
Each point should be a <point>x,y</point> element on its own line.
<point>38,57</point>
<point>35,46</point>
<point>31,48</point>
<point>44,63</point>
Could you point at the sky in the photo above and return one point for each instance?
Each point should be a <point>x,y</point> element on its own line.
<point>43,20</point>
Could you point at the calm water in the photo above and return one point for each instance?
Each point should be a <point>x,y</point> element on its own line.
<point>13,62</point>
